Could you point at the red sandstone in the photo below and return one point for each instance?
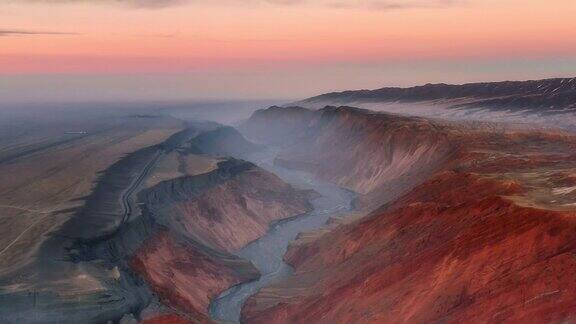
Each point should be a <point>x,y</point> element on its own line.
<point>456,246</point>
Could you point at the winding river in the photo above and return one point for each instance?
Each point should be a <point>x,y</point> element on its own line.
<point>267,252</point>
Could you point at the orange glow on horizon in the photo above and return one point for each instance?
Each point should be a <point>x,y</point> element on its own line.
<point>111,39</point>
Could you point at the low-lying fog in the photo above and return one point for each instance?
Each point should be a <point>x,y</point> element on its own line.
<point>14,116</point>
<point>440,110</point>
<point>19,118</point>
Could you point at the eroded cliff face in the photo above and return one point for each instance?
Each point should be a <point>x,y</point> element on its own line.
<point>202,220</point>
<point>185,275</point>
<point>378,155</point>
<point>485,233</point>
<point>228,207</point>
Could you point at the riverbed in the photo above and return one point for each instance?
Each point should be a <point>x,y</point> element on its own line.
<point>267,252</point>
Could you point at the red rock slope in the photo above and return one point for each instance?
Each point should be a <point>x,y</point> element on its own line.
<point>201,219</point>
<point>488,235</point>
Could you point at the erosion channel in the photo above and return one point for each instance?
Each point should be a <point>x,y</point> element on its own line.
<point>267,252</point>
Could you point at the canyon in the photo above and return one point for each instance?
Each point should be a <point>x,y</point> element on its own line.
<point>456,224</point>
<point>319,211</point>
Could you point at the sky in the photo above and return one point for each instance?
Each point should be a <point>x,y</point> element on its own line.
<point>75,50</point>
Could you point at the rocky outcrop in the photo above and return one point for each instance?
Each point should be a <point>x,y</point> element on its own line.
<point>201,220</point>
<point>484,234</point>
<point>228,207</point>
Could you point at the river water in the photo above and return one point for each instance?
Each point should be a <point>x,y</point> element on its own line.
<point>267,252</point>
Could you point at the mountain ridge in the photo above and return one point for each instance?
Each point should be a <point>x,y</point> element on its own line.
<point>555,95</point>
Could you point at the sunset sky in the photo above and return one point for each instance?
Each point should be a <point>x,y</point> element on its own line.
<point>221,49</point>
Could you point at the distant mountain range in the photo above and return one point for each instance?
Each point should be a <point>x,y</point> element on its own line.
<point>538,96</point>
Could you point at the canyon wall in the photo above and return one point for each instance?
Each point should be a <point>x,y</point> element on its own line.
<point>484,232</point>
<point>378,155</point>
